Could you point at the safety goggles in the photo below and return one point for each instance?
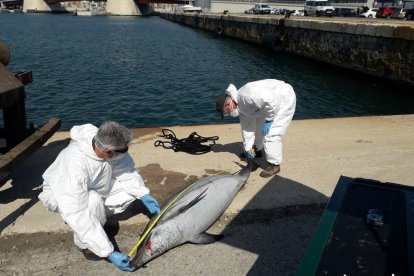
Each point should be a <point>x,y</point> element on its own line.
<point>113,152</point>
<point>117,152</point>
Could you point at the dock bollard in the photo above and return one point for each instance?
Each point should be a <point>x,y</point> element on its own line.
<point>4,54</point>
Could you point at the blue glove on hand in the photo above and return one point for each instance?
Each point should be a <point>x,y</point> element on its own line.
<point>266,127</point>
<point>251,154</point>
<point>120,260</point>
<point>151,204</point>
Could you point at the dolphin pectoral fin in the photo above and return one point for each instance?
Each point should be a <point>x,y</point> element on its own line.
<point>204,238</point>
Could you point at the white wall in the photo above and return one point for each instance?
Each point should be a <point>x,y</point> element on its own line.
<point>122,7</point>
<point>41,6</point>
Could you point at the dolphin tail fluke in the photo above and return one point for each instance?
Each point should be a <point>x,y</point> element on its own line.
<point>253,166</point>
<point>250,167</point>
<point>205,238</point>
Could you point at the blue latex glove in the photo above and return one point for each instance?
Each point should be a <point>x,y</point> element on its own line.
<point>266,127</point>
<point>120,260</point>
<point>251,154</point>
<point>151,204</point>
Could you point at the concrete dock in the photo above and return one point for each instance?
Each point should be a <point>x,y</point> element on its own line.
<point>316,154</point>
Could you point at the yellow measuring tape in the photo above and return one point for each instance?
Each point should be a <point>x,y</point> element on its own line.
<point>156,220</point>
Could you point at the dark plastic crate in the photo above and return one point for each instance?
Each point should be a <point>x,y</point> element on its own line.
<point>350,241</point>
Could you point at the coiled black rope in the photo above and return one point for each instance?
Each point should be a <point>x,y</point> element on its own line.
<point>193,144</point>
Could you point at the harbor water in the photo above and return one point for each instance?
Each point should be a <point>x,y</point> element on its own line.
<point>147,71</point>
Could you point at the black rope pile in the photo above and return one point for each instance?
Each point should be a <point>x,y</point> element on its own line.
<point>193,144</point>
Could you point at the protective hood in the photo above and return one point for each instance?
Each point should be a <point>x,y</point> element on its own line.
<point>232,92</point>
<point>82,136</point>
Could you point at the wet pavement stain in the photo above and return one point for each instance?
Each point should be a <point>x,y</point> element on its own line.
<point>162,183</point>
<point>213,172</point>
<point>139,133</point>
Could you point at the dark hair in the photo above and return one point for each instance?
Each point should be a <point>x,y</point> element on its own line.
<point>220,105</point>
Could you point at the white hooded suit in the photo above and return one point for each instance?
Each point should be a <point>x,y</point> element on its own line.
<point>84,189</point>
<point>257,101</point>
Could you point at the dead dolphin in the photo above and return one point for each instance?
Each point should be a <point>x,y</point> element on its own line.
<point>189,213</point>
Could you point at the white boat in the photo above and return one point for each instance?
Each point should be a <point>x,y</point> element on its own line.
<point>90,9</point>
<point>190,8</point>
<point>89,12</point>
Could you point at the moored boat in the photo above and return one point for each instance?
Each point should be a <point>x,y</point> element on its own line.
<point>191,8</point>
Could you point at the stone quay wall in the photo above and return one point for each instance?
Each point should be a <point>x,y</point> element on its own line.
<point>382,48</point>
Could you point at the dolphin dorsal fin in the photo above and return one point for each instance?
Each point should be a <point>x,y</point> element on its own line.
<point>193,202</point>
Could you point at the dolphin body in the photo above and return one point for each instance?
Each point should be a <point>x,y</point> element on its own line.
<point>191,212</point>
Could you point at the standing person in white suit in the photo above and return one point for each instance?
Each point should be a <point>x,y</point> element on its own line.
<point>95,177</point>
<point>266,108</point>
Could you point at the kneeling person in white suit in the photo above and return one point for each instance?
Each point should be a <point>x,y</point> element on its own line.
<point>92,178</point>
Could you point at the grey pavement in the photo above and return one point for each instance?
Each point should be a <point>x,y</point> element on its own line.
<point>284,208</point>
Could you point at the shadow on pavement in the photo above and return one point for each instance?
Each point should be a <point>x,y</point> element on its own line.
<point>112,225</point>
<point>135,208</point>
<point>235,148</point>
<point>26,179</point>
<point>278,236</point>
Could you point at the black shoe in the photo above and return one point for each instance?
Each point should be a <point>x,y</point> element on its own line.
<point>258,155</point>
<point>270,170</point>
<point>89,255</point>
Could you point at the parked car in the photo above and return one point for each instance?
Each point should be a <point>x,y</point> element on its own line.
<point>409,14</point>
<point>275,11</point>
<point>345,12</point>
<point>371,13</point>
<point>278,11</point>
<point>398,12</point>
<point>297,12</point>
<point>318,8</point>
<point>283,11</point>
<point>249,11</point>
<point>387,12</point>
<point>262,9</point>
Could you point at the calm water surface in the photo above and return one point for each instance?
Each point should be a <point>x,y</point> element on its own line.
<point>147,71</point>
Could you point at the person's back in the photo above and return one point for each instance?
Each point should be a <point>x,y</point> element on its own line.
<point>267,95</point>
<point>77,164</point>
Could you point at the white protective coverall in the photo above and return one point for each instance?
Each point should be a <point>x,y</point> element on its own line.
<point>257,101</point>
<point>84,188</point>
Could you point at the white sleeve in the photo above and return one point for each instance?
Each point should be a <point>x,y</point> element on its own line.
<point>248,126</point>
<point>124,171</point>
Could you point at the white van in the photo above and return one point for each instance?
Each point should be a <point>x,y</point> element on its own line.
<point>318,8</point>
